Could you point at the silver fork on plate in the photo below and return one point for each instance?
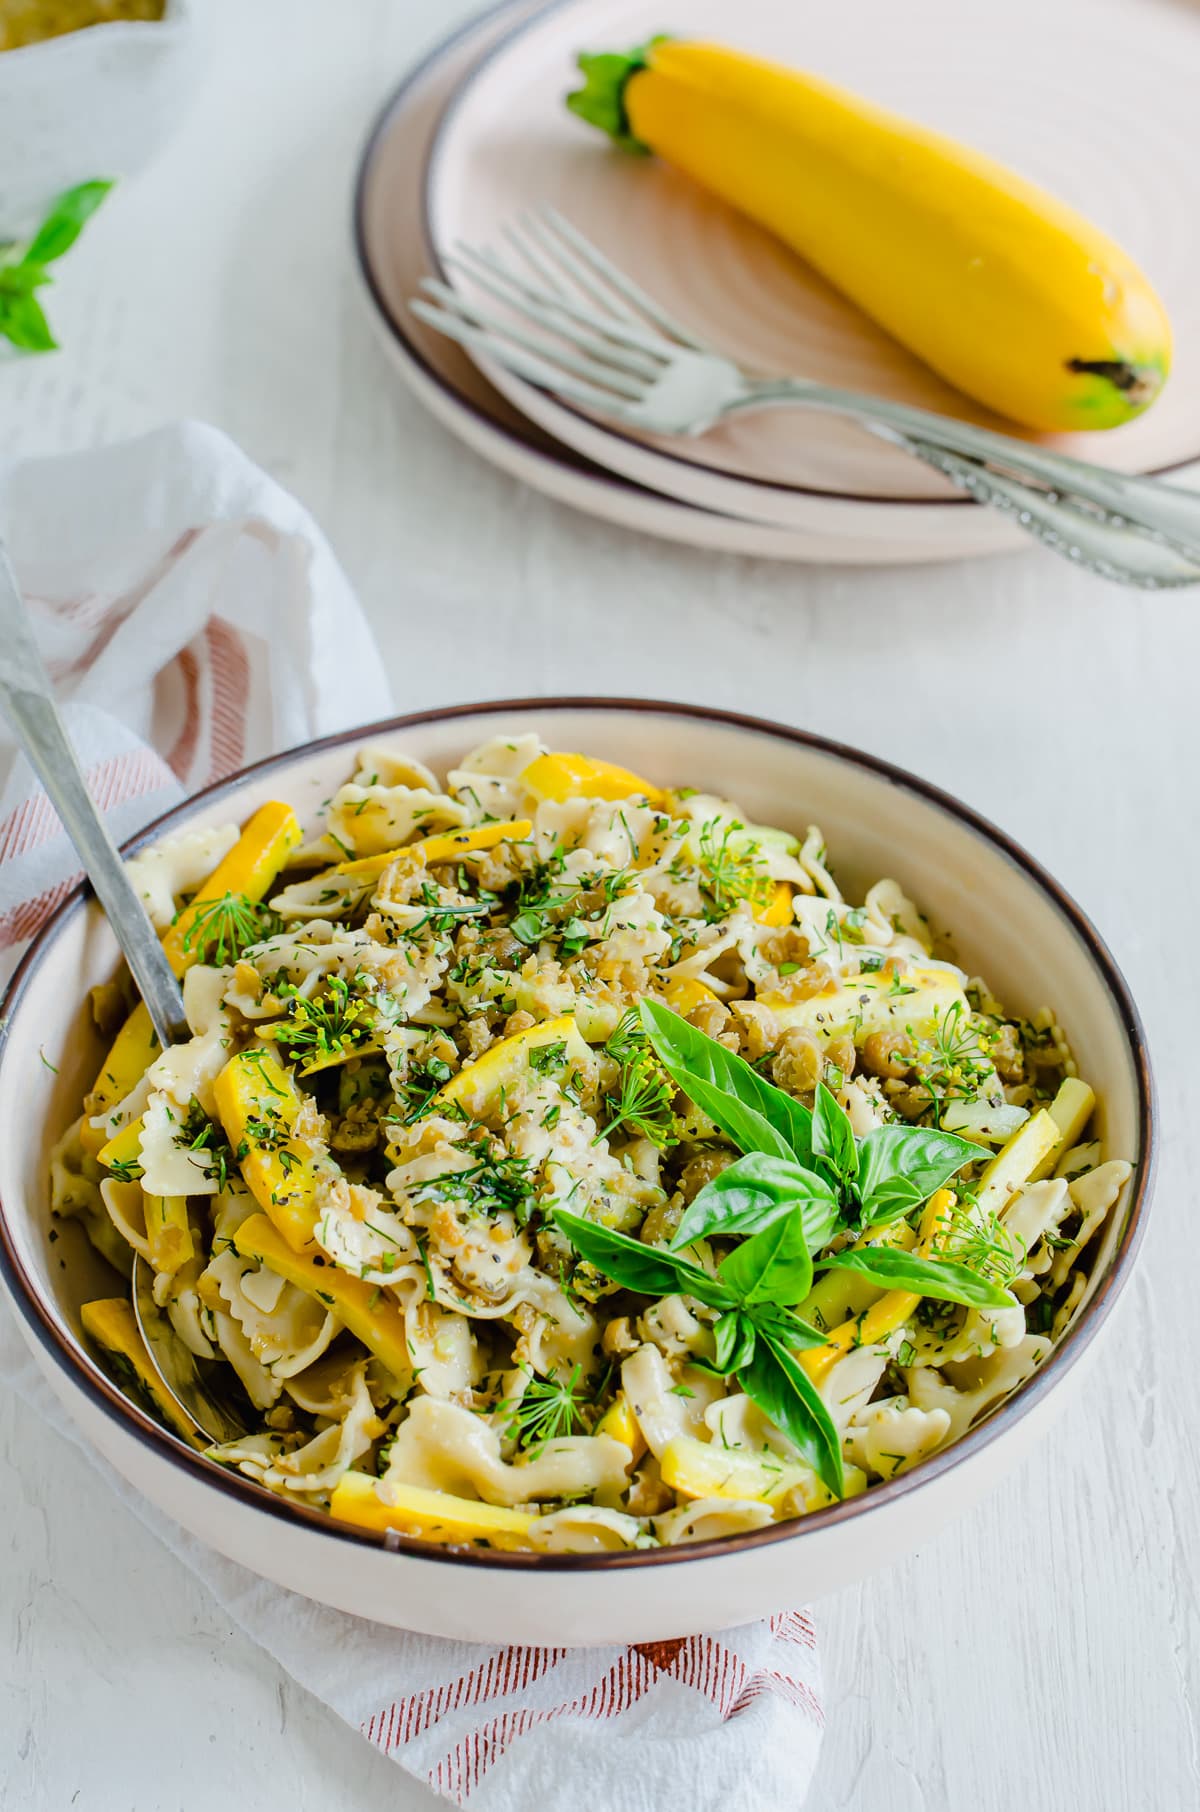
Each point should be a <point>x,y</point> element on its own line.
<point>27,701</point>
<point>574,324</point>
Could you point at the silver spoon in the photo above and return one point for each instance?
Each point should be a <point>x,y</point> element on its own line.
<point>27,701</point>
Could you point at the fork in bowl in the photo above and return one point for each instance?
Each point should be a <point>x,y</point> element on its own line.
<point>573,323</point>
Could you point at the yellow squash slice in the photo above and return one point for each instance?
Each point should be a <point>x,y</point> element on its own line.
<point>110,1324</point>
<point>433,1515</point>
<point>573,776</point>
<point>479,1087</point>
<point>862,1004</point>
<point>371,1316</point>
<point>258,1106</point>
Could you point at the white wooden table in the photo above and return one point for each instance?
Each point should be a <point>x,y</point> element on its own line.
<point>1044,1652</point>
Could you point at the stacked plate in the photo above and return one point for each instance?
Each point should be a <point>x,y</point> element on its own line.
<point>478,133</point>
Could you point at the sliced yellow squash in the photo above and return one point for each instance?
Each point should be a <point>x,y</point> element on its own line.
<point>777,909</point>
<point>249,868</point>
<point>111,1325</point>
<point>447,846</point>
<point>574,776</point>
<point>433,1515</point>
<point>684,994</point>
<point>168,1232</point>
<point>370,1314</point>
<point>839,1295</point>
<point>889,1313</point>
<point>1015,1163</point>
<point>620,1422</point>
<point>258,1106</point>
<point>1070,1110</point>
<point>863,1004</point>
<point>479,1087</point>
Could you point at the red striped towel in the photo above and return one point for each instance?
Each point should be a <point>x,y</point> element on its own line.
<point>195,619</point>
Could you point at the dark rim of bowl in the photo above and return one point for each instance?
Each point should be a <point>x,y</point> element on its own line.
<point>434,153</point>
<point>105,1396</point>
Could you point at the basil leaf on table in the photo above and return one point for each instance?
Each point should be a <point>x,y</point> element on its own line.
<point>650,1270</point>
<point>899,1167</point>
<point>940,1278</point>
<point>755,1190</point>
<point>22,321</point>
<point>67,217</point>
<point>833,1136</point>
<point>752,1112</point>
<point>774,1266</point>
<point>777,1382</point>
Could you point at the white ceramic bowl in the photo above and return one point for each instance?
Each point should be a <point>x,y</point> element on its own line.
<point>1010,921</point>
<point>93,103</point>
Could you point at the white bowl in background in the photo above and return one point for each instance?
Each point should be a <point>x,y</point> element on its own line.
<point>1010,922</point>
<point>96,103</point>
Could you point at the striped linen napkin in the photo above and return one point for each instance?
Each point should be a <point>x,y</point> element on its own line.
<point>195,619</point>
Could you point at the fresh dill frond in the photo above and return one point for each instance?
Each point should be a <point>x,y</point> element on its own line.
<point>548,1409</point>
<point>199,1133</point>
<point>330,1025</point>
<point>983,1244</point>
<point>643,1102</point>
<point>222,929</point>
<point>730,870</point>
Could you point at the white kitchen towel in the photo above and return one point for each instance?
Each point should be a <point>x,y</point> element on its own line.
<point>194,619</point>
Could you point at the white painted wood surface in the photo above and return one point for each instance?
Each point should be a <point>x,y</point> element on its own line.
<point>1043,1653</point>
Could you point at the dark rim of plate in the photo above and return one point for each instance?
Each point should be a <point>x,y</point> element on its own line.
<point>69,1356</point>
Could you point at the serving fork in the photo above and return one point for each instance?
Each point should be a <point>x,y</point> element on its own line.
<point>27,701</point>
<point>560,314</point>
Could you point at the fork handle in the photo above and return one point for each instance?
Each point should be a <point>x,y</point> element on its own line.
<point>27,700</point>
<point>1119,501</point>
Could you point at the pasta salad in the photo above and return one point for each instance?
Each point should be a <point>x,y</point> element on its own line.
<point>559,1161</point>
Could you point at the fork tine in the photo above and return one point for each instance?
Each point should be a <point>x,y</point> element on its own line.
<point>536,370</point>
<point>601,380</point>
<point>557,225</point>
<point>531,236</point>
<point>585,334</point>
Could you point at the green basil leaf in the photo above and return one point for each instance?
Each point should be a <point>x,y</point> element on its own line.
<point>751,1111</point>
<point>19,279</point>
<point>650,1270</point>
<point>65,221</point>
<point>773,1266</point>
<point>901,1166</point>
<point>833,1135</point>
<point>787,1396</point>
<point>940,1278</point>
<point>22,322</point>
<point>752,1192</point>
<point>735,1336</point>
<point>785,1326</point>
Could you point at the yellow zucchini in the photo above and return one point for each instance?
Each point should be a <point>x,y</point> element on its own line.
<point>111,1325</point>
<point>1007,292</point>
<point>684,994</point>
<point>413,1510</point>
<point>574,776</point>
<point>446,846</point>
<point>479,1087</point>
<point>889,1313</point>
<point>250,868</point>
<point>168,1232</point>
<point>620,1422</point>
<point>1070,1110</point>
<point>777,909</point>
<point>371,1314</point>
<point>258,1106</point>
<point>1015,1163</point>
<point>839,1295</point>
<point>863,1004</point>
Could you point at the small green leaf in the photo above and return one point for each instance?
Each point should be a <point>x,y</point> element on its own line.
<point>941,1278</point>
<point>752,1112</point>
<point>65,221</point>
<point>833,1135</point>
<point>752,1192</point>
<point>650,1270</point>
<point>775,1380</point>
<point>23,322</point>
<point>899,1167</point>
<point>735,1336</point>
<point>19,279</point>
<point>773,1266</point>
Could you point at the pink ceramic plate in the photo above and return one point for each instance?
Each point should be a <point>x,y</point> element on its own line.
<point>1046,89</point>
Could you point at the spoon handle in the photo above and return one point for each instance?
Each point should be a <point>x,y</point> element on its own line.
<point>27,700</point>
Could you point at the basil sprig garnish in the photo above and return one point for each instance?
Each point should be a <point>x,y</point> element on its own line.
<point>942,1278</point>
<point>756,1335</point>
<point>893,1170</point>
<point>23,268</point>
